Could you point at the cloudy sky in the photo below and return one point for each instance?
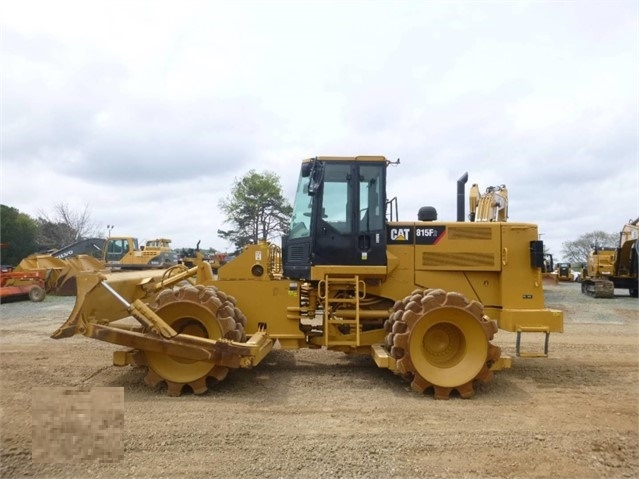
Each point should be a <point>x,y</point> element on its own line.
<point>146,111</point>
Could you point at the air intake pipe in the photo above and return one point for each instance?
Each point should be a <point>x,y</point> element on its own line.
<point>461,182</point>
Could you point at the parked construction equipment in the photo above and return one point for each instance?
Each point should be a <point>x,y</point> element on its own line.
<point>492,205</point>
<point>190,257</point>
<point>548,273</point>
<point>59,274</point>
<point>564,272</point>
<point>59,268</point>
<point>423,298</point>
<point>614,267</point>
<point>123,252</point>
<point>93,247</point>
<point>16,285</point>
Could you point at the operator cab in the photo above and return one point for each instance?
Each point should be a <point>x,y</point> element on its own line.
<point>338,215</point>
<point>117,247</point>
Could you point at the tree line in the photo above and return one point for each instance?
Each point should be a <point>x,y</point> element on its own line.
<point>22,235</point>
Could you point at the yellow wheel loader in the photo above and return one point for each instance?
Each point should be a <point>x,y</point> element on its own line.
<point>423,298</point>
<point>564,272</point>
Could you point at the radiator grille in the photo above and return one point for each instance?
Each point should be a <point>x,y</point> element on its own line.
<point>467,233</point>
<point>457,259</point>
<point>296,253</point>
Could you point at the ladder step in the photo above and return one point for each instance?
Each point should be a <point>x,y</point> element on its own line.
<point>335,287</point>
<point>342,280</point>
<point>532,329</point>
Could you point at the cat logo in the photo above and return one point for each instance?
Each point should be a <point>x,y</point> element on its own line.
<point>400,234</point>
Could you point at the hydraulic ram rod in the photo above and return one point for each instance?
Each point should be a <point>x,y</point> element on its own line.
<point>145,315</point>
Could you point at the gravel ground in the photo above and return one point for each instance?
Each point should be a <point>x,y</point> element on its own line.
<point>317,414</point>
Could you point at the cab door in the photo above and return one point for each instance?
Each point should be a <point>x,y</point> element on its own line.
<point>350,216</point>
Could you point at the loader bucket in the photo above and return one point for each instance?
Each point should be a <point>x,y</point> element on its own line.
<point>50,267</point>
<point>66,284</point>
<point>60,274</point>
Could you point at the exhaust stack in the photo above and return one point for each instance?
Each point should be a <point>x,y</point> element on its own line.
<point>461,196</point>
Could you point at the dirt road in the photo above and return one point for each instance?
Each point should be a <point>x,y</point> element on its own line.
<point>315,414</point>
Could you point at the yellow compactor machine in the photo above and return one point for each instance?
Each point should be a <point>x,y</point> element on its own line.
<point>423,298</point>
